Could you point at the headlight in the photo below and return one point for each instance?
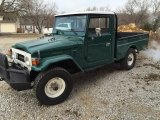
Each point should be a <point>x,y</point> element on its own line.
<point>27,61</point>
<point>14,55</point>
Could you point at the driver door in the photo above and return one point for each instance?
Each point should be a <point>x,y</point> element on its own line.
<point>99,41</point>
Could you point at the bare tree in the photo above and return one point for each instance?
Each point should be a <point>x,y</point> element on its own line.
<point>137,10</point>
<point>130,7</point>
<point>13,6</point>
<point>142,10</point>
<point>155,4</point>
<point>91,8</point>
<point>39,12</point>
<point>9,5</point>
<point>102,8</point>
<point>130,10</point>
<point>155,19</point>
<point>105,8</point>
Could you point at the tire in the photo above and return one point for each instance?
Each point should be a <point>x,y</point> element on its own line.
<point>129,61</point>
<point>54,86</point>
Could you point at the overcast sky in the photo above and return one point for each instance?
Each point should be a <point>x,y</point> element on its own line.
<point>72,5</point>
<point>75,5</point>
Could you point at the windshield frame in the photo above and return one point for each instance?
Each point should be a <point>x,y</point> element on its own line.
<point>85,26</point>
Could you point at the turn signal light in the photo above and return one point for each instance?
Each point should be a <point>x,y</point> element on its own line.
<point>35,61</point>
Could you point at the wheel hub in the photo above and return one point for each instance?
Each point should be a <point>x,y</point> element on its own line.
<point>130,59</point>
<point>55,87</point>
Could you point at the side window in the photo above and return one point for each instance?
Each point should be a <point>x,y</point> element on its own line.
<point>98,26</point>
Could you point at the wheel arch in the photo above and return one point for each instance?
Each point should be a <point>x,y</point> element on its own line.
<point>68,64</point>
<point>133,47</point>
<point>64,61</point>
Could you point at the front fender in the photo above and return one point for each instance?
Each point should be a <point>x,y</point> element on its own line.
<point>46,62</point>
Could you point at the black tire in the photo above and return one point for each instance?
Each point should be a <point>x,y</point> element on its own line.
<point>42,80</point>
<point>124,62</point>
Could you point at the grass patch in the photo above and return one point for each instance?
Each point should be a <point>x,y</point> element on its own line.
<point>152,77</point>
<point>149,77</point>
<point>153,65</point>
<point>73,113</point>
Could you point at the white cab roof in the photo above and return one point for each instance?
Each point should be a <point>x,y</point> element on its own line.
<point>86,12</point>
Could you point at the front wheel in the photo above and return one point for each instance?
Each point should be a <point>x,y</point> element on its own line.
<point>53,86</point>
<point>129,61</point>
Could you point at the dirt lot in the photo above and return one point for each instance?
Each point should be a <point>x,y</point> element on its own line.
<point>105,94</point>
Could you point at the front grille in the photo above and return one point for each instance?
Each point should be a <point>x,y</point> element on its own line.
<point>21,57</point>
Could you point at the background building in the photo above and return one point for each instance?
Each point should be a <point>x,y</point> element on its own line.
<point>9,22</point>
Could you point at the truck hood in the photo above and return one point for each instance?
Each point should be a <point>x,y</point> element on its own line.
<point>49,43</point>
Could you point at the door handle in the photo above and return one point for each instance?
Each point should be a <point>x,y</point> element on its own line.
<point>107,44</point>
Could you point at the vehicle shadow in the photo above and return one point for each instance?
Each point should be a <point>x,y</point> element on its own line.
<point>83,80</point>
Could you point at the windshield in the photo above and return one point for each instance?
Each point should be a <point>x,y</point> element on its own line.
<point>70,25</point>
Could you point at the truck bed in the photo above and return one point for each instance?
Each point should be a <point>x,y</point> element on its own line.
<point>126,40</point>
<point>123,35</point>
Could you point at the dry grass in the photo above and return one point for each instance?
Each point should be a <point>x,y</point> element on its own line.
<point>130,28</point>
<point>133,28</point>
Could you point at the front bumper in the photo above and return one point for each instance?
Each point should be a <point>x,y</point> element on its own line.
<point>17,79</point>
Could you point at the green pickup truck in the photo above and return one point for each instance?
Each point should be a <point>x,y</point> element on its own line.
<point>80,42</point>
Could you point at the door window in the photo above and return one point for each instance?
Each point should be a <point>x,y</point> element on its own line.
<point>98,26</point>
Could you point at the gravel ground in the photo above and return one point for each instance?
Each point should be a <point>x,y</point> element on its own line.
<point>103,94</point>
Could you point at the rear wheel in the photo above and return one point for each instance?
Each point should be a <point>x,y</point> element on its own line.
<point>129,61</point>
<point>53,86</point>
